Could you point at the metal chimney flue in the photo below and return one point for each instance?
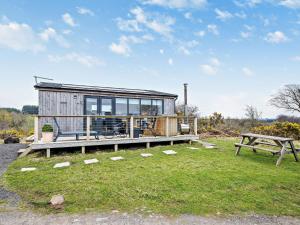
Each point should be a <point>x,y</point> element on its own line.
<point>185,99</point>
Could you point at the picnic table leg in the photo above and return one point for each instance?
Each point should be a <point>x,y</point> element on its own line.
<point>282,152</point>
<point>294,150</point>
<point>238,148</point>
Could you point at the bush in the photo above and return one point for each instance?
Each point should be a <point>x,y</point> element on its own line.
<point>283,129</point>
<point>10,133</point>
<point>47,128</point>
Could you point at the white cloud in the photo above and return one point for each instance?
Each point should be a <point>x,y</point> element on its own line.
<point>276,37</point>
<point>246,71</point>
<point>159,24</point>
<point>223,15</point>
<point>85,11</point>
<point>20,37</point>
<point>177,4</point>
<point>248,3</point>
<point>296,58</point>
<point>208,69</point>
<point>245,34</point>
<point>161,51</point>
<point>128,25</point>
<point>294,4</point>
<point>185,47</point>
<point>241,15</point>
<point>51,33</point>
<point>86,60</point>
<point>212,28</point>
<point>67,32</point>
<point>170,61</point>
<point>188,15</point>
<point>212,67</point>
<point>200,33</point>
<point>67,18</point>
<point>123,47</point>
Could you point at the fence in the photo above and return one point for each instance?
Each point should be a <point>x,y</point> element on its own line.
<point>96,127</point>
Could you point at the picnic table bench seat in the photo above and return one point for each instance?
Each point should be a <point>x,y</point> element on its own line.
<point>280,146</point>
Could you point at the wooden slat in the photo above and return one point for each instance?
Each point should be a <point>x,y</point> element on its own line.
<point>267,137</point>
<point>255,147</point>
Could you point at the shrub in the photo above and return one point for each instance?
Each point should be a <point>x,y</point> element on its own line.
<point>47,128</point>
<point>10,133</point>
<point>283,129</point>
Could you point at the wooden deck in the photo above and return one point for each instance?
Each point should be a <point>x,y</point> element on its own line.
<point>114,142</point>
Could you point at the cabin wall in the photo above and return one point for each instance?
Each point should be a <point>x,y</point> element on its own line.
<point>62,103</point>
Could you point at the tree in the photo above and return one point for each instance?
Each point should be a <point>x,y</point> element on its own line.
<point>287,98</point>
<point>216,119</point>
<point>252,114</point>
<point>30,109</point>
<point>191,109</point>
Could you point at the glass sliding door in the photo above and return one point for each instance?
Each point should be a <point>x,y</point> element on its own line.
<point>121,106</point>
<point>146,107</point>
<point>106,106</point>
<point>91,106</point>
<point>157,107</point>
<point>134,106</point>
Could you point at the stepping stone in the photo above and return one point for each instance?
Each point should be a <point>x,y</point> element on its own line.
<point>91,161</point>
<point>117,158</point>
<point>209,146</point>
<point>192,148</point>
<point>170,152</point>
<point>28,169</point>
<point>146,155</point>
<point>60,165</point>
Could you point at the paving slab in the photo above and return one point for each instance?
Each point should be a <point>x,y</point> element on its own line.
<point>60,165</point>
<point>170,152</point>
<point>146,155</point>
<point>117,158</point>
<point>90,161</point>
<point>193,148</point>
<point>28,169</point>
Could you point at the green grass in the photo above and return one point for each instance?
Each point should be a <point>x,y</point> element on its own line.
<point>199,182</point>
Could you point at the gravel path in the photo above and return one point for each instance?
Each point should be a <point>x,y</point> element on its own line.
<point>8,153</point>
<point>24,218</point>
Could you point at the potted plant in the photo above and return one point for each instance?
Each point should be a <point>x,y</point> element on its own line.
<point>47,133</point>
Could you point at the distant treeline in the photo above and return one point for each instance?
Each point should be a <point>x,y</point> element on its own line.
<point>26,109</point>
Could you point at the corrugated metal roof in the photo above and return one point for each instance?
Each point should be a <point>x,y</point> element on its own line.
<point>47,85</point>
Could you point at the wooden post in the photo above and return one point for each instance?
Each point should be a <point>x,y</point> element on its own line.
<point>88,128</point>
<point>167,126</point>
<point>148,145</point>
<point>48,154</point>
<point>195,126</point>
<point>171,143</point>
<point>83,150</point>
<point>116,147</point>
<point>131,127</point>
<point>36,129</point>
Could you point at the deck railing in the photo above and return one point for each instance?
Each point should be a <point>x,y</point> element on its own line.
<point>89,127</point>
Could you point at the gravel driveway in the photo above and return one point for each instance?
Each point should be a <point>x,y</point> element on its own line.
<point>27,218</point>
<point>8,153</point>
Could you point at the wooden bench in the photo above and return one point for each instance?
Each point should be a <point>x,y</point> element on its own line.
<point>280,146</point>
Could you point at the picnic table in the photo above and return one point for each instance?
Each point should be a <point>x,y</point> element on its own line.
<point>278,145</point>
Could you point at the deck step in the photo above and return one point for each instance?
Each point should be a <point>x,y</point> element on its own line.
<point>25,152</point>
<point>21,150</point>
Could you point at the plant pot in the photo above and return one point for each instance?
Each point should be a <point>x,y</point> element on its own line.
<point>47,137</point>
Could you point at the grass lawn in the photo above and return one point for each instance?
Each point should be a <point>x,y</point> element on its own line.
<point>200,182</point>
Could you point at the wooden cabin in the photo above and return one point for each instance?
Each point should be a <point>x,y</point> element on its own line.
<point>72,100</point>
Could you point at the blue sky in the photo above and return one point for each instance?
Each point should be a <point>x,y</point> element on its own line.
<point>232,53</point>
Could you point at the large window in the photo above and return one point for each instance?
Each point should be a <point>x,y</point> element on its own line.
<point>91,106</point>
<point>146,107</point>
<point>106,106</point>
<point>121,106</point>
<point>157,107</point>
<point>134,106</point>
